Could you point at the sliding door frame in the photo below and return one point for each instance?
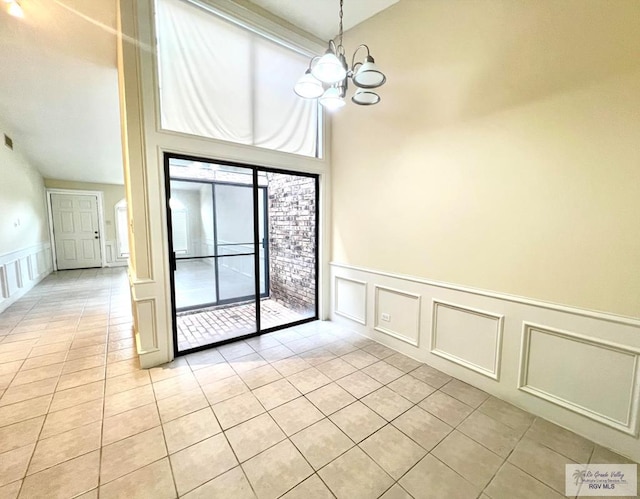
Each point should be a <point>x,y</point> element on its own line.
<point>168,156</point>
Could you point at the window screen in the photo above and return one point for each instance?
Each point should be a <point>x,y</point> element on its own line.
<point>220,80</point>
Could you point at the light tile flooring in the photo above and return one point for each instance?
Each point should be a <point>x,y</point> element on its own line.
<point>309,412</point>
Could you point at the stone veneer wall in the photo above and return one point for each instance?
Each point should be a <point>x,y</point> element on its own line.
<point>292,239</point>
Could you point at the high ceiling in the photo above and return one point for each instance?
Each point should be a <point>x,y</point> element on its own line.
<point>59,88</point>
<point>58,82</point>
<point>321,17</point>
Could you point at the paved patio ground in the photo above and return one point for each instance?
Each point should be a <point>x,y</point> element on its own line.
<point>217,324</point>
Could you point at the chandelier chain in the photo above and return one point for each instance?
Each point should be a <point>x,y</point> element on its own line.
<point>341,30</point>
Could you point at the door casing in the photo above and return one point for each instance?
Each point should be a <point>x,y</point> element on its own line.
<point>101,225</point>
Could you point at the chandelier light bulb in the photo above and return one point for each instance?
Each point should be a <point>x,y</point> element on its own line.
<point>329,69</point>
<point>308,86</point>
<point>332,99</point>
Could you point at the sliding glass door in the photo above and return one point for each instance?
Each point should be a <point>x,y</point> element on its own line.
<point>243,250</point>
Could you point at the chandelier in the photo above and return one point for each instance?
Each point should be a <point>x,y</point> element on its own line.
<point>327,76</point>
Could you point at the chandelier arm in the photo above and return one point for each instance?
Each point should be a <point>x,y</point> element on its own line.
<point>353,59</point>
<point>313,59</point>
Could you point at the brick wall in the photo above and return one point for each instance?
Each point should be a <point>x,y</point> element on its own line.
<point>292,238</point>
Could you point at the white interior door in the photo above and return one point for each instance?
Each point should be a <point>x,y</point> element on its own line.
<point>75,231</point>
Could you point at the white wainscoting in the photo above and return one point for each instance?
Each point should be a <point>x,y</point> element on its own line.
<point>577,368</point>
<point>350,299</point>
<point>397,314</point>
<point>152,321</point>
<point>21,270</point>
<point>467,336</point>
<point>111,248</point>
<point>145,325</point>
<point>552,367</point>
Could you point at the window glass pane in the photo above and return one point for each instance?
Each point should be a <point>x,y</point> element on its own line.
<point>222,81</point>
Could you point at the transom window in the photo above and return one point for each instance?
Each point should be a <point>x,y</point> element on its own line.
<point>223,81</point>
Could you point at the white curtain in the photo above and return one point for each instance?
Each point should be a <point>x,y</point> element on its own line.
<point>222,81</point>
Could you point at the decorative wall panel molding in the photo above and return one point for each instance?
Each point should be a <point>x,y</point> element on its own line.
<point>350,299</point>
<point>109,247</point>
<point>23,277</point>
<point>595,378</point>
<point>4,282</point>
<point>31,267</point>
<point>41,262</point>
<point>21,270</point>
<point>11,271</point>
<point>469,337</point>
<point>145,325</point>
<point>397,314</point>
<point>112,255</point>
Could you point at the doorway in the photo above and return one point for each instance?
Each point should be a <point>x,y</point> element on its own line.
<point>243,244</point>
<point>75,222</point>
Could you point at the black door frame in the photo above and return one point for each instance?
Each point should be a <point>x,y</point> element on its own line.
<point>172,260</point>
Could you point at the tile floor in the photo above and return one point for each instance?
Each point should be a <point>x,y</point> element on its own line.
<point>309,412</point>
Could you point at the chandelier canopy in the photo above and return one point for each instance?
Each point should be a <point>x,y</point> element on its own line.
<point>327,76</point>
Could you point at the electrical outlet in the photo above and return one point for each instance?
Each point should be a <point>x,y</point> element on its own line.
<point>386,317</point>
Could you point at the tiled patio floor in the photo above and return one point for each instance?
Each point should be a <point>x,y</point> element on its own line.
<point>310,412</point>
<point>205,327</point>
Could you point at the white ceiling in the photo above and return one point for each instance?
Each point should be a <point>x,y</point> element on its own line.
<point>321,17</point>
<point>59,87</point>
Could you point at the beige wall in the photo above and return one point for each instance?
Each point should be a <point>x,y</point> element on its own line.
<point>112,194</point>
<point>505,154</point>
<point>23,216</point>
